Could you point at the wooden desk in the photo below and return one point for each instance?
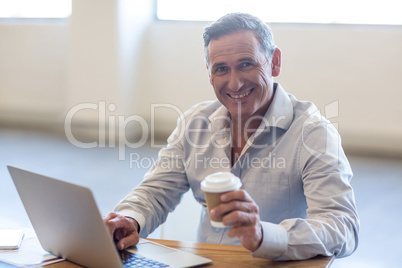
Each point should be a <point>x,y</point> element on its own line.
<point>227,256</point>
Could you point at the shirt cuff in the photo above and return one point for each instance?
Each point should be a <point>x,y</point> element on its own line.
<point>135,215</point>
<point>274,241</point>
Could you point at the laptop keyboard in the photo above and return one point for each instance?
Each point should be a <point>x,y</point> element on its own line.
<point>133,260</point>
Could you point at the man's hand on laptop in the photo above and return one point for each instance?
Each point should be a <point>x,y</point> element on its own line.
<point>124,230</point>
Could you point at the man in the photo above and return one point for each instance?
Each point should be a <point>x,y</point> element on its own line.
<point>296,201</point>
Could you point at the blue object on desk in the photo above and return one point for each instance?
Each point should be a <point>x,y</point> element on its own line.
<point>6,265</point>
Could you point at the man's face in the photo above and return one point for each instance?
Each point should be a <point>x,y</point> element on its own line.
<point>241,75</point>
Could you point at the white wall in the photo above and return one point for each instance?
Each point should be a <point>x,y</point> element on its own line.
<point>33,70</point>
<point>105,42</point>
<point>359,66</point>
<point>113,52</point>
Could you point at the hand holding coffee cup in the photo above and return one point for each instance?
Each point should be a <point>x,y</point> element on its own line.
<point>214,186</point>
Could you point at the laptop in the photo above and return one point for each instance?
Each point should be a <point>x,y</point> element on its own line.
<point>68,224</point>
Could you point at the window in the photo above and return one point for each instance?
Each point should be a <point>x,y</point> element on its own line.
<point>299,11</point>
<point>35,8</point>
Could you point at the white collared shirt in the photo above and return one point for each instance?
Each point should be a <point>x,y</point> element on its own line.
<point>293,167</point>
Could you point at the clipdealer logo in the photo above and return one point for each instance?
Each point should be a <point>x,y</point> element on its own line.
<point>115,126</point>
<point>200,161</point>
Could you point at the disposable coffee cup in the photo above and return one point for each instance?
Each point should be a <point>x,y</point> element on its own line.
<point>214,186</point>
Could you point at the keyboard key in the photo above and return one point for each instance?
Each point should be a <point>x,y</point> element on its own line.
<point>133,260</point>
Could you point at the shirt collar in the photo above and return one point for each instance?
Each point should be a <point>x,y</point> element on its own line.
<point>220,119</point>
<point>280,111</point>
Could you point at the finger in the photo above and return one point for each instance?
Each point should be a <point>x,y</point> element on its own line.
<point>240,218</point>
<point>120,233</point>
<point>111,222</point>
<point>225,208</point>
<point>128,241</point>
<point>240,195</point>
<point>109,216</point>
<point>118,222</point>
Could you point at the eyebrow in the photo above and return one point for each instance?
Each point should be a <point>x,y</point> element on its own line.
<point>240,60</point>
<point>247,59</point>
<point>215,65</point>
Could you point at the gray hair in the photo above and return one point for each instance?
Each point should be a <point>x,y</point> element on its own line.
<point>234,22</point>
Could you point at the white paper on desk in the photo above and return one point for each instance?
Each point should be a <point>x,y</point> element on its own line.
<point>30,254</point>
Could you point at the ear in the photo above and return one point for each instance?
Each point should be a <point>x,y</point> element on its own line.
<point>276,62</point>
<point>209,74</point>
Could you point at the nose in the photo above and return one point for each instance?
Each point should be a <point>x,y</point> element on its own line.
<point>235,82</point>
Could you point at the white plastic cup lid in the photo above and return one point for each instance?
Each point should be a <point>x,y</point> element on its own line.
<point>220,182</point>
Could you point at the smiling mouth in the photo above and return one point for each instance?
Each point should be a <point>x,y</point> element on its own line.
<point>240,96</point>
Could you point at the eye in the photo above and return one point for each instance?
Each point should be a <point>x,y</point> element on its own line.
<point>246,66</point>
<point>220,70</point>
